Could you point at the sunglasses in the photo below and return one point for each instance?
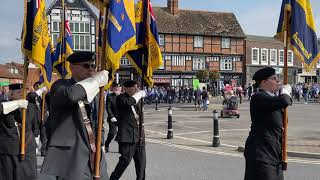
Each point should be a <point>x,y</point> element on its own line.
<point>88,66</point>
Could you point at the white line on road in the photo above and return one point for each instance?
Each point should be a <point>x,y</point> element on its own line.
<point>222,130</point>
<point>294,160</point>
<point>190,139</point>
<point>193,149</point>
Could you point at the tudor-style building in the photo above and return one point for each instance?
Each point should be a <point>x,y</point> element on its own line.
<point>192,40</point>
<point>82,20</point>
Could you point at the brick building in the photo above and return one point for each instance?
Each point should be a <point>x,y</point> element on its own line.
<point>194,40</point>
<point>264,51</point>
<point>13,73</point>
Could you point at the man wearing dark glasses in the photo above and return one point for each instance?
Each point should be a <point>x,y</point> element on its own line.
<point>73,122</point>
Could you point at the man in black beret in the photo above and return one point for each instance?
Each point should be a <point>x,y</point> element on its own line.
<point>35,97</point>
<point>111,108</point>
<point>73,122</point>
<point>131,145</point>
<point>263,145</point>
<point>11,167</point>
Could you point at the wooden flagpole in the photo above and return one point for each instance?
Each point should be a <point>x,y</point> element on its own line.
<point>101,67</point>
<point>285,81</point>
<point>42,107</point>
<point>24,111</point>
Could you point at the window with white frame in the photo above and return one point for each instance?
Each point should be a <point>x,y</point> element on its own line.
<point>226,63</point>
<point>273,57</point>
<point>199,63</point>
<point>255,56</point>
<point>124,61</point>
<point>55,38</point>
<point>198,41</point>
<point>55,26</point>
<point>264,56</point>
<point>81,42</point>
<point>161,39</point>
<point>79,27</point>
<point>177,60</point>
<point>281,57</point>
<point>290,58</point>
<point>225,42</point>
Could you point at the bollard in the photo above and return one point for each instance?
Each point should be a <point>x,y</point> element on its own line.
<point>156,103</point>
<point>170,130</point>
<point>216,137</point>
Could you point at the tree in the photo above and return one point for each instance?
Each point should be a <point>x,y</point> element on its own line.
<point>202,75</point>
<point>214,75</point>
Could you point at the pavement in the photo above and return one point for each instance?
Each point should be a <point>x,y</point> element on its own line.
<point>193,129</point>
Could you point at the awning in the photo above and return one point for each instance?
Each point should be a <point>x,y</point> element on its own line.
<point>4,83</point>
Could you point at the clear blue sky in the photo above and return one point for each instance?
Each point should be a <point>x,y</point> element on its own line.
<point>257,17</point>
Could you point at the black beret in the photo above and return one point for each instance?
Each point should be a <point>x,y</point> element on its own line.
<point>114,84</point>
<point>129,83</point>
<point>36,83</point>
<point>15,86</point>
<point>81,56</point>
<point>263,74</point>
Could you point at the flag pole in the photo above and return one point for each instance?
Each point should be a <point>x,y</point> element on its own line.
<point>285,81</point>
<point>42,107</point>
<point>24,111</point>
<point>101,67</point>
<point>141,117</point>
<point>62,46</point>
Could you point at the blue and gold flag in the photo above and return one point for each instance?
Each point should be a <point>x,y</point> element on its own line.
<point>63,50</point>
<point>147,57</point>
<point>120,33</point>
<point>303,38</point>
<point>36,41</point>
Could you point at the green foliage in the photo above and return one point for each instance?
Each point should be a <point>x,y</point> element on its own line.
<point>214,75</point>
<point>202,75</point>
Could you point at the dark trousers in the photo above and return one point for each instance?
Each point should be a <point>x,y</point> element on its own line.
<point>112,133</point>
<point>257,170</point>
<point>43,139</point>
<point>129,151</point>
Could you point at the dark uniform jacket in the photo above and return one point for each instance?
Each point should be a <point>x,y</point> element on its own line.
<point>68,147</point>
<point>265,138</point>
<point>11,167</point>
<point>111,106</point>
<point>9,134</point>
<point>128,127</point>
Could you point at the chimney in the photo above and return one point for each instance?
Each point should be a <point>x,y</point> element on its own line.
<point>173,6</point>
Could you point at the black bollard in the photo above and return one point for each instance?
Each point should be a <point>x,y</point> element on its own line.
<point>170,130</point>
<point>216,137</point>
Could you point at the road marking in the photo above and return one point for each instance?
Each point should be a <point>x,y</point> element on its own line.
<point>200,132</point>
<point>193,149</point>
<point>294,160</point>
<point>190,139</point>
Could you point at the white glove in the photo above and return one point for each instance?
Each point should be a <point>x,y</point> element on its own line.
<point>91,85</point>
<point>101,77</point>
<point>44,89</point>
<point>286,89</point>
<point>113,119</point>
<point>13,105</point>
<point>137,96</point>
